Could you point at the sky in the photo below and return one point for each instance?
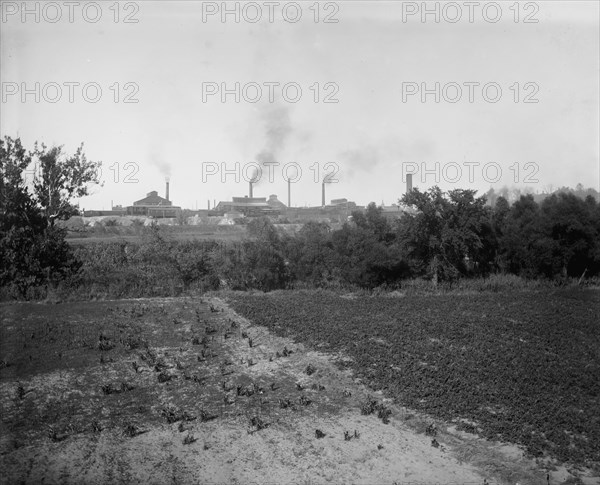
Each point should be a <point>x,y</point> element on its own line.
<point>469,97</point>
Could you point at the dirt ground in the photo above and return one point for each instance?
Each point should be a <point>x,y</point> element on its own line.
<point>193,393</point>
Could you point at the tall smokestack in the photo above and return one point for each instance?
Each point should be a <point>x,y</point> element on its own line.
<point>408,182</point>
<point>250,191</point>
<point>289,193</point>
<point>323,194</point>
<point>167,188</point>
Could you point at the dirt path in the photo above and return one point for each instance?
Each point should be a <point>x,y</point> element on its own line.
<point>287,400</point>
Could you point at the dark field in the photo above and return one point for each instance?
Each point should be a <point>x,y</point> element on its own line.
<point>522,367</point>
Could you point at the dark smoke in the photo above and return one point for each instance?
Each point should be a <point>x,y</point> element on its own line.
<point>278,128</point>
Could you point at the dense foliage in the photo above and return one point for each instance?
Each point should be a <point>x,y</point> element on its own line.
<point>523,366</point>
<point>442,237</point>
<point>33,250</point>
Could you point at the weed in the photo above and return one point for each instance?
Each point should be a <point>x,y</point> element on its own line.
<point>165,377</point>
<point>172,414</point>
<point>431,430</point>
<point>131,430</point>
<point>319,434</point>
<point>258,423</point>
<point>206,416</point>
<point>189,439</point>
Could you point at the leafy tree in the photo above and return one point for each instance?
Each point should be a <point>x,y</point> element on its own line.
<point>366,254</point>
<point>445,230</point>
<point>33,250</point>
<point>568,222</point>
<point>523,250</point>
<point>310,253</point>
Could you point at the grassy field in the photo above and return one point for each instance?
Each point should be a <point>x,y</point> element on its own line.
<point>185,390</point>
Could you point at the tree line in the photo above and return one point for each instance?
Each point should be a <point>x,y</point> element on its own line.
<point>441,237</point>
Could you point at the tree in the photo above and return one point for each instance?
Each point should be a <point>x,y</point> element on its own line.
<point>33,249</point>
<point>568,222</point>
<point>310,253</point>
<point>444,232</point>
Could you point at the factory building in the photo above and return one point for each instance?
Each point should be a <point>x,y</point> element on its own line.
<point>250,206</point>
<point>153,205</point>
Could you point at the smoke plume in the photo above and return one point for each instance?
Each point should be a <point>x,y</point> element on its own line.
<point>275,118</point>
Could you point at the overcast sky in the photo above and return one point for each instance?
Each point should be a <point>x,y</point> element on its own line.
<point>374,57</point>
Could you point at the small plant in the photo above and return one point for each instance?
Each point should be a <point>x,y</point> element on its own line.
<point>104,343</point>
<point>304,401</point>
<point>54,435</point>
<point>131,430</point>
<point>299,386</point>
<point>189,439</point>
<point>96,426</point>
<point>319,434</point>
<point>368,407</point>
<point>310,370</point>
<point>246,391</point>
<point>285,403</point>
<point>384,414</point>
<point>258,423</point>
<point>435,443</point>
<point>206,416</point>
<point>380,446</point>
<point>173,414</point>
<point>431,429</point>
<point>195,341</point>
<point>164,377</point>
<point>132,342</point>
<point>347,393</point>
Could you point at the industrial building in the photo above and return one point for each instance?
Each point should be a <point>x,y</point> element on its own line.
<point>153,205</point>
<point>251,206</point>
